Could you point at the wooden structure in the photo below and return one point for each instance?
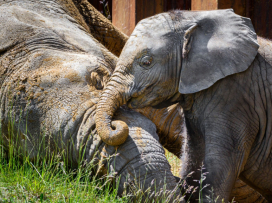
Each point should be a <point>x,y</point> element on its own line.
<point>127,13</point>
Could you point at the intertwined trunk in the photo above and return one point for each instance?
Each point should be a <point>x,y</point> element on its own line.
<point>113,96</point>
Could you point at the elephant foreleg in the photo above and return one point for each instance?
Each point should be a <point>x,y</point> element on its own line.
<point>226,149</point>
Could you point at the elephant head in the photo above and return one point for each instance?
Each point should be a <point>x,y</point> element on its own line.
<point>175,53</point>
<point>52,71</point>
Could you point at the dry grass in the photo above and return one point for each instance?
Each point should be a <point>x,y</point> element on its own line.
<point>174,162</point>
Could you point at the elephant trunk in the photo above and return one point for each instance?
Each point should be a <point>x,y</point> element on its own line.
<point>142,169</point>
<point>111,132</point>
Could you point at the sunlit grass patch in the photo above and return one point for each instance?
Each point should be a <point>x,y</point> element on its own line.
<point>49,179</point>
<point>174,161</point>
<point>28,182</point>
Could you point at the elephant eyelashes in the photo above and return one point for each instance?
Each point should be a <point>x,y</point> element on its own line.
<point>146,61</point>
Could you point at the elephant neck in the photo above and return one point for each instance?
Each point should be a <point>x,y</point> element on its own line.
<point>186,101</point>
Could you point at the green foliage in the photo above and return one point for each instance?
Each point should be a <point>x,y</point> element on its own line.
<point>48,179</point>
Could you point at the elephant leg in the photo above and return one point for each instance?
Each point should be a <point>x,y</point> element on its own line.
<point>227,141</point>
<point>227,147</point>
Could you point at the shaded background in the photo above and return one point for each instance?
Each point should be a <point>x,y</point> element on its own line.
<point>126,13</point>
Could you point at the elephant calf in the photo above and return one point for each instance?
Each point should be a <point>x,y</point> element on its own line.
<point>212,63</point>
<point>172,135</point>
<point>52,72</point>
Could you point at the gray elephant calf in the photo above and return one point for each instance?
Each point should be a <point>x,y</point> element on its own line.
<point>51,74</point>
<point>210,62</point>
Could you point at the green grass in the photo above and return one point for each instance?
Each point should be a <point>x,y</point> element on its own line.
<point>174,161</point>
<point>22,180</point>
<point>49,182</point>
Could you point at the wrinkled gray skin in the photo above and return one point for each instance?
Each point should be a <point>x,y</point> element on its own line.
<point>172,135</point>
<point>51,74</point>
<point>209,61</point>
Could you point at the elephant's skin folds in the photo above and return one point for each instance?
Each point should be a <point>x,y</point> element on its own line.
<point>52,71</point>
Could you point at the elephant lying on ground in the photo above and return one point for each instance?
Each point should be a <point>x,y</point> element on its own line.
<point>51,74</point>
<point>209,62</point>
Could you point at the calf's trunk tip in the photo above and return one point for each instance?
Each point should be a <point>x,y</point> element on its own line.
<point>117,133</point>
<point>111,132</point>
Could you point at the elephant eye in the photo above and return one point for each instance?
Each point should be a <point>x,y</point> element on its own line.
<point>146,61</point>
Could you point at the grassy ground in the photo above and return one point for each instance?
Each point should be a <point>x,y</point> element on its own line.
<point>174,162</point>
<point>49,181</point>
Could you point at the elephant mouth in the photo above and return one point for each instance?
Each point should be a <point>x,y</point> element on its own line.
<point>136,103</point>
<point>132,103</point>
<point>141,102</point>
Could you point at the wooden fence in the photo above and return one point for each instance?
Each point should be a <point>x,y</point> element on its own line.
<point>125,14</point>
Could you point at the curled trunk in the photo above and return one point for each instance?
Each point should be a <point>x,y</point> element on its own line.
<point>140,162</point>
<point>112,132</point>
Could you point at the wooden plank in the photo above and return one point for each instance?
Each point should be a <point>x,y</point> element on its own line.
<point>127,13</point>
<point>260,14</point>
<point>159,6</point>
<point>123,15</point>
<point>139,10</point>
<point>132,18</point>
<point>258,11</point>
<point>166,5</point>
<point>239,6</point>
<point>204,4</point>
<point>177,4</point>
<point>148,8</point>
<point>183,5</point>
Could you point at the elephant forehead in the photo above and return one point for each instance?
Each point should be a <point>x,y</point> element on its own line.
<point>137,45</point>
<point>153,26</point>
<point>150,33</point>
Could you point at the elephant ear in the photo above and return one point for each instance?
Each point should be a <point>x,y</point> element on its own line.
<point>216,44</point>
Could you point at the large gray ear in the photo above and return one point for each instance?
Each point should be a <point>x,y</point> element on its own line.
<point>216,44</point>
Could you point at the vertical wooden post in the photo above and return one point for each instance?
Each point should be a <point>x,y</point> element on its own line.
<point>124,15</point>
<point>127,13</point>
<point>239,6</point>
<point>147,8</point>
<point>204,5</point>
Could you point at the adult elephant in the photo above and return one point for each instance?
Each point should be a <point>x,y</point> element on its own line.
<point>52,71</point>
<point>209,61</point>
